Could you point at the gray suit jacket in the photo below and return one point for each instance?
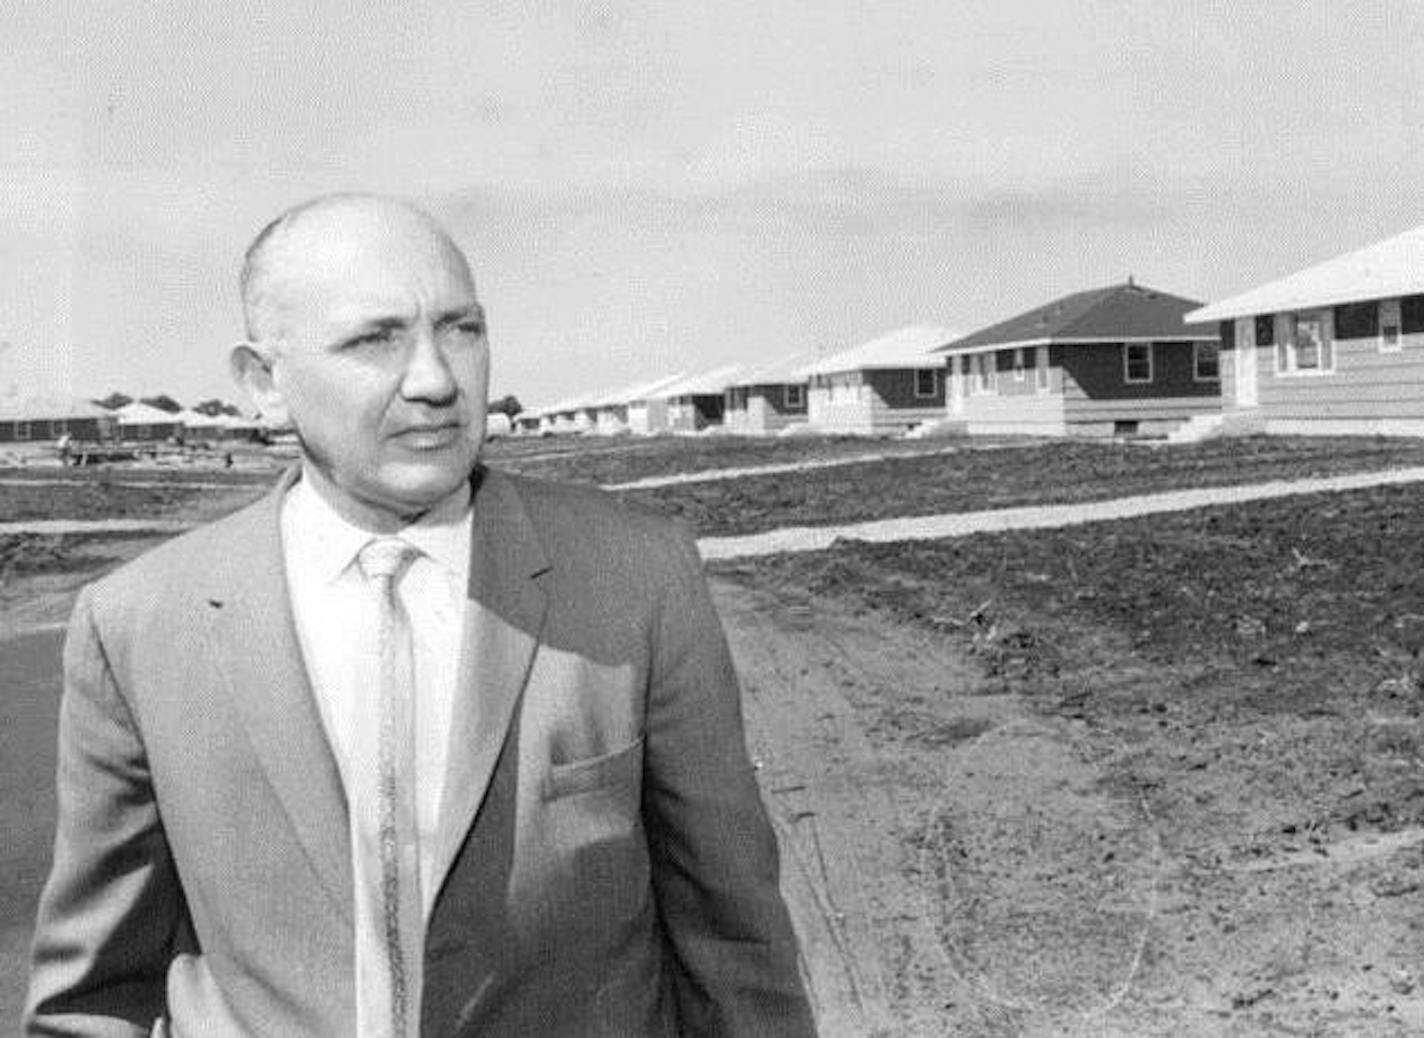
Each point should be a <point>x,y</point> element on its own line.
<point>607,866</point>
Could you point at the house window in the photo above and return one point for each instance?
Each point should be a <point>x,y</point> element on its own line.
<point>1020,364</point>
<point>1206,361</point>
<point>1266,330</point>
<point>926,382</point>
<point>794,396</point>
<point>1411,314</point>
<point>1309,348</point>
<point>1137,362</point>
<point>1040,368</point>
<point>1389,323</point>
<point>1357,321</point>
<point>22,430</point>
<point>982,366</point>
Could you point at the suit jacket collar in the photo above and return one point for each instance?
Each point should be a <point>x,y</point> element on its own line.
<point>255,642</point>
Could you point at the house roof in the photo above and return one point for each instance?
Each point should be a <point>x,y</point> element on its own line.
<point>139,413</point>
<point>774,373</point>
<point>702,384</point>
<point>1384,270</point>
<point>1118,313</point>
<point>48,407</point>
<point>637,391</point>
<point>907,348</point>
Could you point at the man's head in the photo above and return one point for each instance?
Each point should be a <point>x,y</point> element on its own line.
<point>365,335</point>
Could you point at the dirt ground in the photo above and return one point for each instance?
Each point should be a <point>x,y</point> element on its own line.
<point>960,862</point>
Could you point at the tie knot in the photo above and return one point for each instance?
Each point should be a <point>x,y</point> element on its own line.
<point>386,557</point>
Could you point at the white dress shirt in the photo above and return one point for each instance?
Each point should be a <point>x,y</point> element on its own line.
<point>336,617</point>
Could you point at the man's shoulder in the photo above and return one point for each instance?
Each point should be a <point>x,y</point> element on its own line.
<point>189,557</point>
<point>580,507</point>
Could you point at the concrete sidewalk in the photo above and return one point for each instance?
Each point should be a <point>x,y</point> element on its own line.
<point>930,527</point>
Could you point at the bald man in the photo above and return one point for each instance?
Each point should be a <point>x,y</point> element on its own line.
<point>410,746</point>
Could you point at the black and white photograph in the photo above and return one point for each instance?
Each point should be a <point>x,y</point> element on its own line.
<point>573,519</point>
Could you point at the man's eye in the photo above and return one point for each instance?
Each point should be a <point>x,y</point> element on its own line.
<point>381,337</point>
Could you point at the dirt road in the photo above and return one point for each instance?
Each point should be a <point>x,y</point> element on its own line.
<point>958,863</point>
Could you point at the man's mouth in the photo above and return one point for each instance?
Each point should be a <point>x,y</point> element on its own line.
<point>430,437</point>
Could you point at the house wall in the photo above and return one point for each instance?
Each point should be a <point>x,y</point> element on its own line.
<point>1013,404</point>
<point>1371,390</point>
<point>43,430</point>
<point>150,431</point>
<point>647,417</point>
<point>766,410</point>
<point>1098,400</point>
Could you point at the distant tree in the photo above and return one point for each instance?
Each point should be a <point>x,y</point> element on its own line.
<point>214,407</point>
<point>114,401</point>
<point>163,402</point>
<point>506,405</point>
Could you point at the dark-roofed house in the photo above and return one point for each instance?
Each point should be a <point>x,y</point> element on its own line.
<point>1336,348</point>
<point>1111,361</point>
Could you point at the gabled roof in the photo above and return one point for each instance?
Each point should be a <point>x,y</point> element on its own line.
<point>907,348</point>
<point>48,408</point>
<point>1384,270</point>
<point>774,373</point>
<point>1117,313</point>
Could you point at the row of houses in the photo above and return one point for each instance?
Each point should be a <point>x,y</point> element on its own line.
<point>1337,348</point>
<point>1113,360</point>
<point>40,419</point>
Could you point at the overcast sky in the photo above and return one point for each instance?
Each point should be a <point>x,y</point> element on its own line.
<point>647,188</point>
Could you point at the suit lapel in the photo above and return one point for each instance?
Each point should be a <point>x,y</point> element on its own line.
<point>504,618</point>
<point>253,635</point>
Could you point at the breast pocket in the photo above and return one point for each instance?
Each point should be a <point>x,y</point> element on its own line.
<point>619,771</point>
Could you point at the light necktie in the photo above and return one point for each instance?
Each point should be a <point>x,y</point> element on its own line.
<point>398,901</point>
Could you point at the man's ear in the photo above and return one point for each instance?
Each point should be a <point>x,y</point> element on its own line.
<point>251,367</point>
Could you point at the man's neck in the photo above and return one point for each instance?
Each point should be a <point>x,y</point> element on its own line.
<point>374,517</point>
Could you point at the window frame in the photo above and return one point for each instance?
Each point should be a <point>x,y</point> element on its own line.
<point>1391,318</point>
<point>22,429</point>
<point>1198,347</point>
<point>1289,351</point>
<point>798,404</point>
<point>1127,363</point>
<point>933,373</point>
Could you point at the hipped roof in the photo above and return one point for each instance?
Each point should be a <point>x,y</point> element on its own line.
<point>139,413</point>
<point>1385,270</point>
<point>774,373</point>
<point>48,408</point>
<point>1123,312</point>
<point>907,348</point>
<point>704,383</point>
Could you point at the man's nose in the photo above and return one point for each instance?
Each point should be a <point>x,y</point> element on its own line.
<point>427,375</point>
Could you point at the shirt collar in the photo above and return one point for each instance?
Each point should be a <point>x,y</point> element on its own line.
<point>328,543</point>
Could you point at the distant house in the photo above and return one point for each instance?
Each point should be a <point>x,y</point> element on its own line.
<point>139,421</point>
<point>769,398</point>
<point>1336,348</point>
<point>42,419</point>
<point>1110,361</point>
<point>698,401</point>
<point>611,410</point>
<point>888,385</point>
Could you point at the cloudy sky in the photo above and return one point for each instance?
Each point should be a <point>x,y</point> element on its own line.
<point>647,188</point>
